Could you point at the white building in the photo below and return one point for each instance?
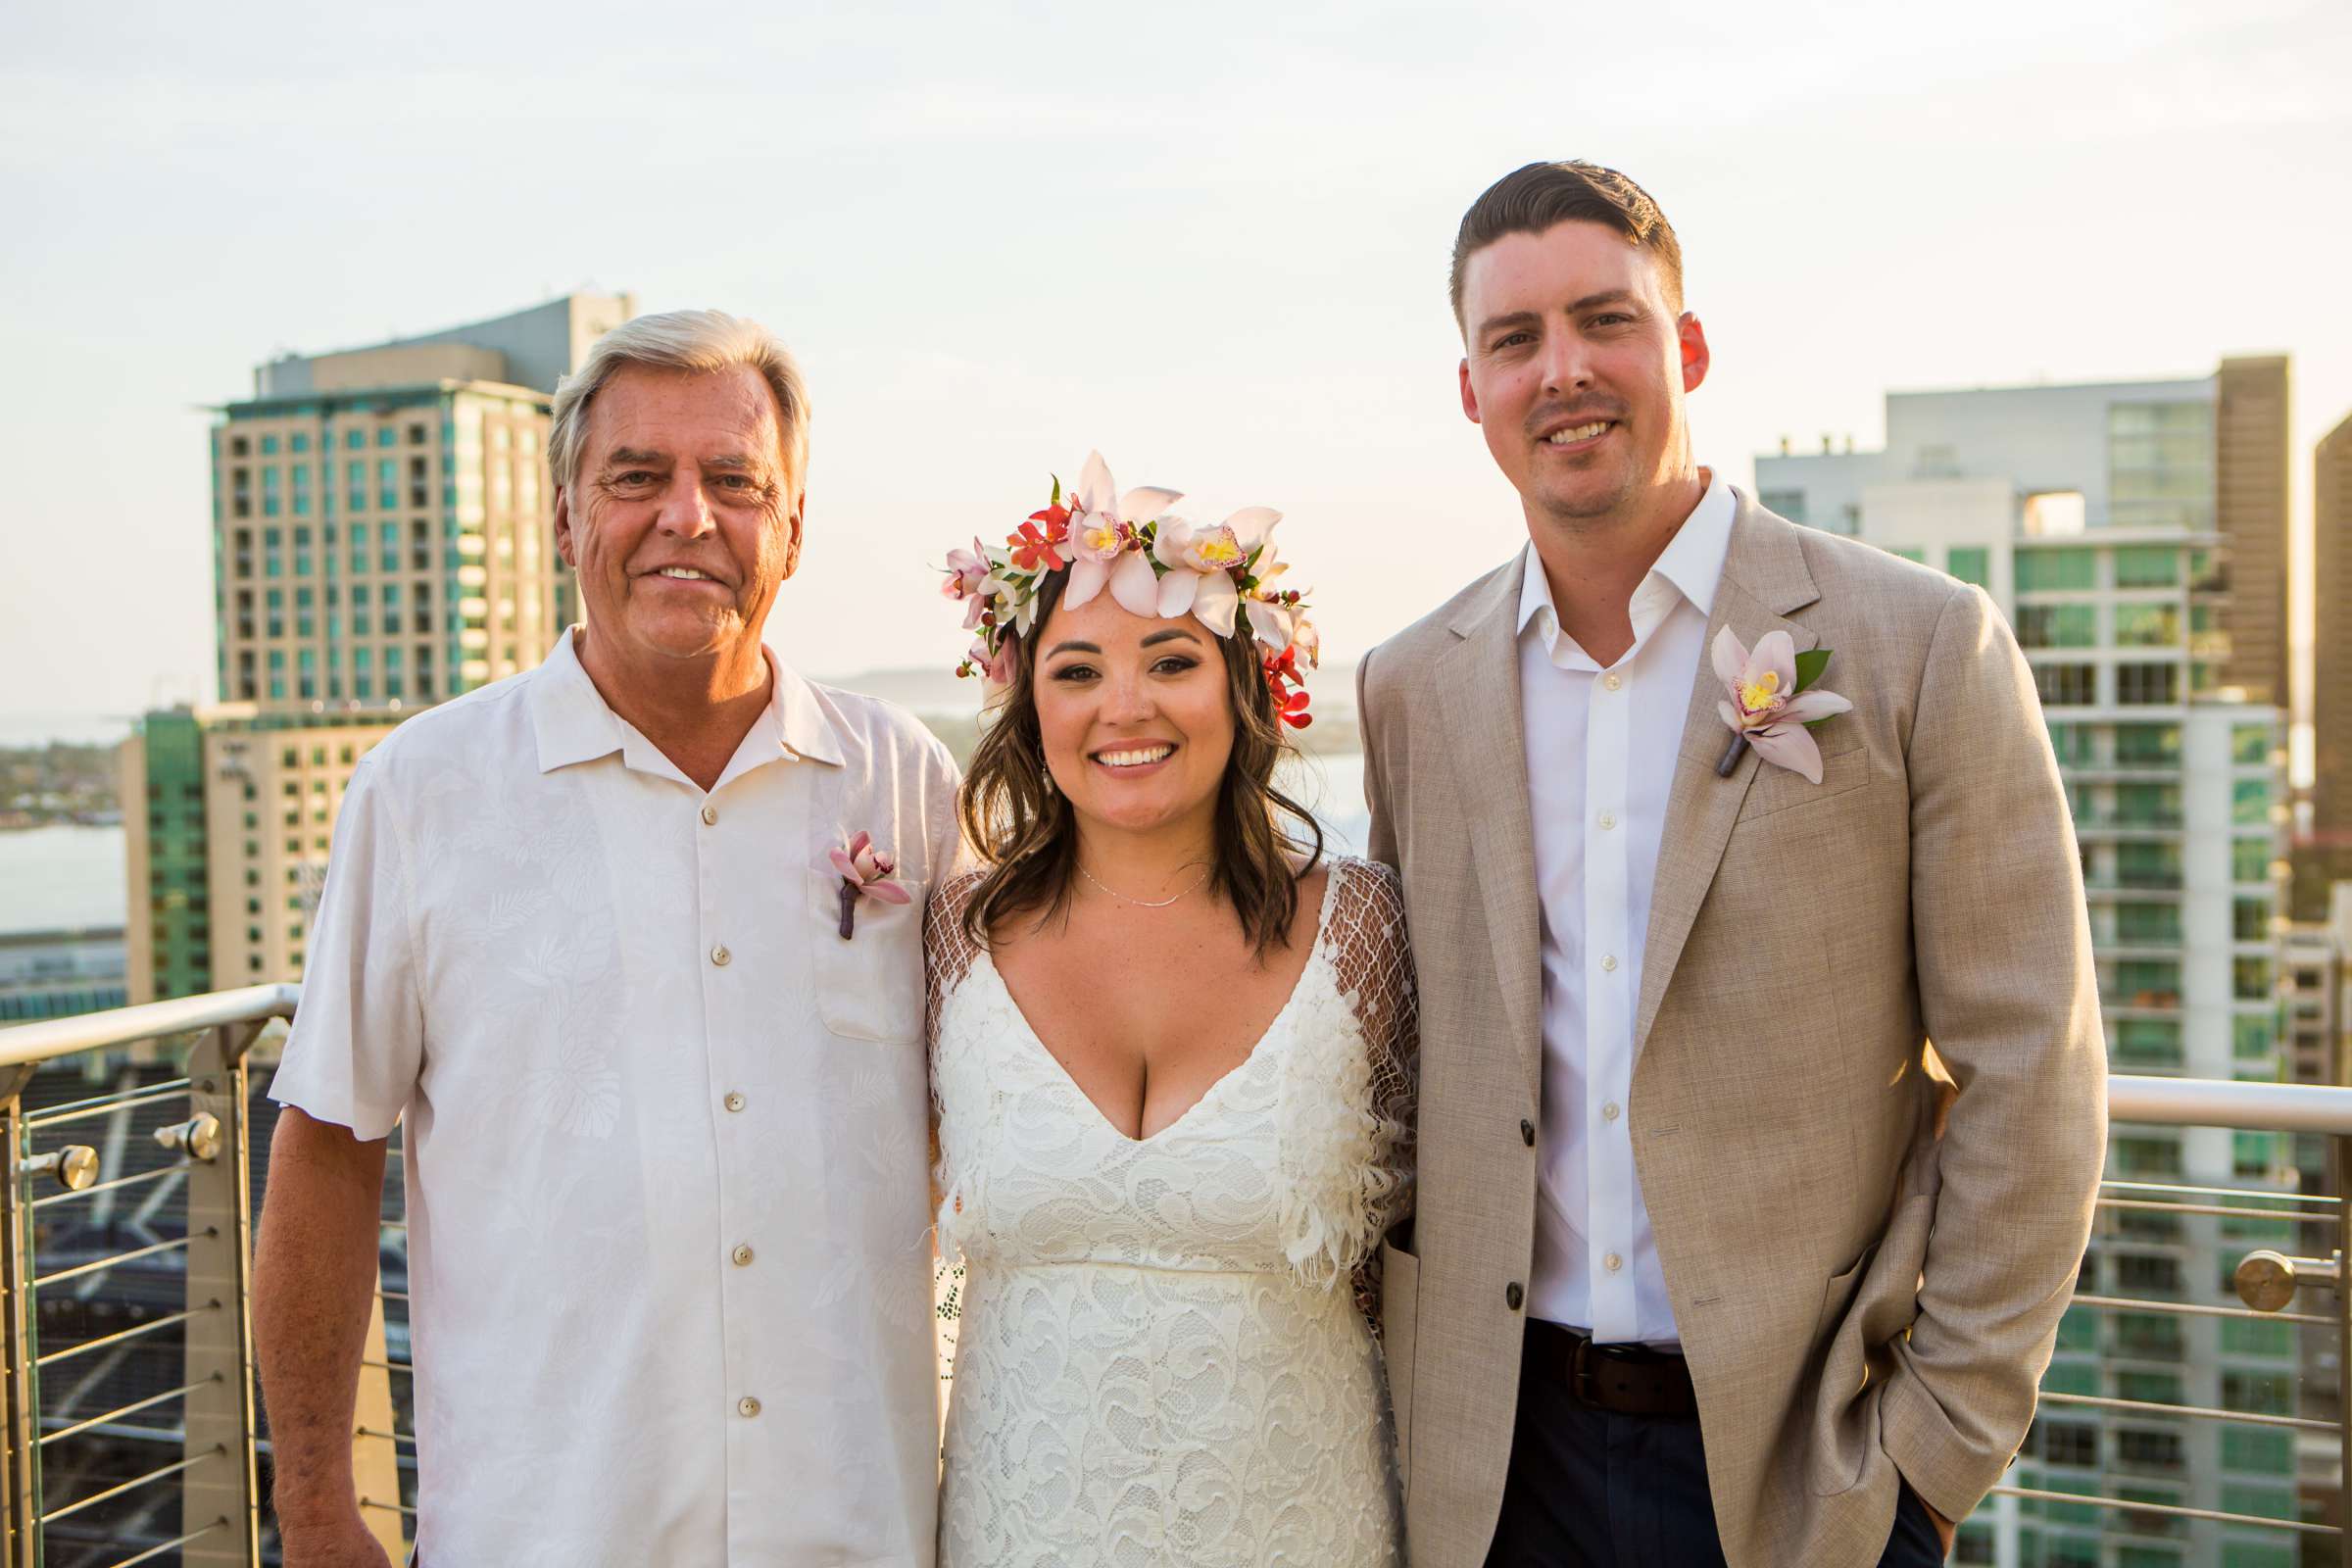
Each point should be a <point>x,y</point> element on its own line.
<point>2092,515</point>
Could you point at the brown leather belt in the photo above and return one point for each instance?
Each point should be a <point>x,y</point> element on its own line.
<point>1622,1379</point>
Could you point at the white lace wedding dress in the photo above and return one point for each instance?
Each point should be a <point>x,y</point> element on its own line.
<point>1161,1361</point>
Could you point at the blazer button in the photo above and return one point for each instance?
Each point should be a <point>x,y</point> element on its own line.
<point>1526,1132</point>
<point>1512,1296</point>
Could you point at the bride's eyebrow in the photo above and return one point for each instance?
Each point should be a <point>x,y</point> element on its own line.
<point>1172,634</point>
<point>1072,648</point>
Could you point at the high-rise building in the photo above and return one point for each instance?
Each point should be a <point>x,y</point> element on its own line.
<point>2093,515</point>
<point>382,541</point>
<point>2325,856</point>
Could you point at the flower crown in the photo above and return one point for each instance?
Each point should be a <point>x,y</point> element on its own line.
<point>1155,564</point>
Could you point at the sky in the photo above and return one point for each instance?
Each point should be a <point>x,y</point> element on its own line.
<point>1210,241</point>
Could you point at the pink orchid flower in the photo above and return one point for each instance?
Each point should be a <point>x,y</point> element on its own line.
<point>970,578</point>
<point>865,872</point>
<point>1202,561</point>
<point>1105,551</point>
<point>1764,705</point>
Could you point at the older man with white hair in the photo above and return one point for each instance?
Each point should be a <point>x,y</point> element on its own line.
<point>656,1044</point>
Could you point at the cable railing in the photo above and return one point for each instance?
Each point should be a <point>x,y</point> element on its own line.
<point>2212,1301</point>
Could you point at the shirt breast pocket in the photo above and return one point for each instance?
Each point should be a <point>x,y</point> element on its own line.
<point>869,986</point>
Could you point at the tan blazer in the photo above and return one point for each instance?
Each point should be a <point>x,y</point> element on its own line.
<point>1855,1296</point>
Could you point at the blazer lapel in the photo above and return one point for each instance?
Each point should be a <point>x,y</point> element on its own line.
<point>1765,579</point>
<point>1478,682</point>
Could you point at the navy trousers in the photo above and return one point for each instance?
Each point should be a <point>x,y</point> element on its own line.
<point>1592,1490</point>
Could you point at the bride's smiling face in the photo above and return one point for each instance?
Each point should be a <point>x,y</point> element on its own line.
<point>1136,715</point>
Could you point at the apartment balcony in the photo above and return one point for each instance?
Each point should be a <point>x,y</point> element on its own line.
<point>132,1430</point>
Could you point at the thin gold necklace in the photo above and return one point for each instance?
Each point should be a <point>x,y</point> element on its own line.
<point>1146,904</point>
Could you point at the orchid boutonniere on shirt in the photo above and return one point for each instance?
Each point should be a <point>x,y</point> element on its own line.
<point>865,872</point>
<point>1770,703</point>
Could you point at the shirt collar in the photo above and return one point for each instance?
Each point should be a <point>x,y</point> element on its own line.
<point>573,724</point>
<point>1691,565</point>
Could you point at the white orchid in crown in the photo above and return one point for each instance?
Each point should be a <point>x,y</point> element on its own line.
<point>1104,545</point>
<point>1201,563</point>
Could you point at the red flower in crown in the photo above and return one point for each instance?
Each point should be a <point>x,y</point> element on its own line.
<point>1033,547</point>
<point>1290,700</point>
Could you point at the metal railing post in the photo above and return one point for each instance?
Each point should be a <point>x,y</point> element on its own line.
<point>2341,1148</point>
<point>19,1482</point>
<point>374,1451</point>
<point>219,1496</point>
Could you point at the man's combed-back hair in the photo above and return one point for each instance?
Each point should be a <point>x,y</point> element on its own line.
<point>1529,200</point>
<point>1027,835</point>
<point>681,340</point>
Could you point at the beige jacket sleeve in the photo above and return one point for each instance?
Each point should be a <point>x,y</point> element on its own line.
<point>2009,997</point>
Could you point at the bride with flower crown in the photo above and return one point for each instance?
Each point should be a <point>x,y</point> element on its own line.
<point>1172,1046</point>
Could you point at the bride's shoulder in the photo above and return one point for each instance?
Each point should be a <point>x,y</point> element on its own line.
<point>1360,880</point>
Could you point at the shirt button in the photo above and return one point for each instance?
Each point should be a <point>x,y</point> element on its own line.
<point>720,955</point>
<point>747,1405</point>
<point>1608,1113</point>
<point>1512,1296</point>
<point>1612,1263</point>
<point>1612,682</point>
<point>1526,1132</point>
<point>1608,961</point>
<point>1608,820</point>
<point>709,814</point>
<point>742,1255</point>
<point>733,1102</point>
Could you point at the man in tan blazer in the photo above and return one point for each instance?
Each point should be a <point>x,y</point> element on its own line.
<point>1694,1277</point>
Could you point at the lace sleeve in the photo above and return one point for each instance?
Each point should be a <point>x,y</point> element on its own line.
<point>949,952</point>
<point>1374,958</point>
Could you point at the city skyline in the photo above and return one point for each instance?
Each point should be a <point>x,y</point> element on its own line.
<point>1231,286</point>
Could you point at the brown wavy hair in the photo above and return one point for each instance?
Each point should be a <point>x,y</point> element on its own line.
<point>1027,835</point>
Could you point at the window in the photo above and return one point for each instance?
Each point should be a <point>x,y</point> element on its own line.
<point>2250,979</point>
<point>2149,1450</point>
<point>2260,1449</point>
<point>415,436</point>
<point>385,435</point>
<point>2147,745</point>
<point>1971,564</point>
<point>2147,983</point>
<point>2147,625</point>
<point>1910,553</point>
<point>2147,566</point>
<point>269,446</point>
<point>2066,1442</point>
<point>2249,860</point>
<point>2153,1278</point>
<point>2067,685</point>
<point>2147,685</point>
<point>1789,504</point>
<point>2057,625</point>
<point>354,440</point>
<point>2148,1042</point>
<point>299,442</point>
<point>2257,1337</point>
<point>2251,801</point>
<point>2053,571</point>
<point>2147,804</point>
<point>2249,919</point>
<point>2147,923</point>
<point>2146,1157</point>
<point>2072,744</point>
<point>2250,744</point>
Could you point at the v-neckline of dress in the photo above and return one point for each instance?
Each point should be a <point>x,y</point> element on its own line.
<point>1331,888</point>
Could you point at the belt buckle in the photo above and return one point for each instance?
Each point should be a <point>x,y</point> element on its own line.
<point>1581,1381</point>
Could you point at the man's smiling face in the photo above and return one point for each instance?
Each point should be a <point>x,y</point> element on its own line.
<point>1575,367</point>
<point>681,520</point>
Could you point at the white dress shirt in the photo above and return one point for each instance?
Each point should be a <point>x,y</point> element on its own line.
<point>665,1130</point>
<point>1600,758</point>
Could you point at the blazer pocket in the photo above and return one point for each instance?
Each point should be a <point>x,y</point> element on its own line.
<point>870,986</point>
<point>1399,1306</point>
<point>1863,1310</point>
<point>1778,789</point>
